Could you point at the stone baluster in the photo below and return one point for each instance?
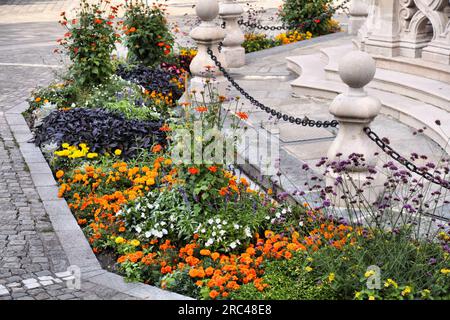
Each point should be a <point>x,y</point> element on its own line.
<point>233,52</point>
<point>354,110</point>
<point>207,35</point>
<point>358,10</point>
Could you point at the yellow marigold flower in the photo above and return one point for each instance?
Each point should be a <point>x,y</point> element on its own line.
<point>371,298</point>
<point>118,152</point>
<point>369,273</point>
<point>357,294</point>
<point>390,282</point>
<point>445,271</point>
<point>135,242</point>
<point>120,240</point>
<point>308,269</point>
<point>331,277</point>
<point>406,291</point>
<point>65,145</point>
<point>37,99</point>
<point>92,155</point>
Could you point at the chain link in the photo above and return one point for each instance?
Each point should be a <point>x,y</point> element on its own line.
<point>403,161</point>
<point>305,121</point>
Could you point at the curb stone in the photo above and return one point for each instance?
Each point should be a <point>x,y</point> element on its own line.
<point>71,237</point>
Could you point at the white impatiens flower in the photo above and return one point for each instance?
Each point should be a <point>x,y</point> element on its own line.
<point>209,242</point>
<point>138,229</point>
<point>218,220</point>
<point>203,230</point>
<point>278,215</point>
<point>163,223</point>
<point>224,222</point>
<point>248,233</point>
<point>222,232</point>
<point>284,211</point>
<point>267,217</point>
<point>148,234</point>
<point>236,226</point>
<point>233,245</point>
<point>210,221</point>
<point>300,223</point>
<point>214,234</point>
<point>164,231</point>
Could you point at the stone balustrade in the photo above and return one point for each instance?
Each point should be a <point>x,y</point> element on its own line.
<point>207,35</point>
<point>354,110</point>
<point>409,28</point>
<point>233,52</point>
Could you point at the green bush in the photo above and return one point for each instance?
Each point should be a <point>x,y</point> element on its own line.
<point>308,15</point>
<point>89,43</point>
<point>148,38</point>
<point>408,263</point>
<point>287,280</point>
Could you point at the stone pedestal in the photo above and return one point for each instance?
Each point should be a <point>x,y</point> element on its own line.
<point>354,110</point>
<point>358,11</point>
<point>233,52</point>
<point>206,76</point>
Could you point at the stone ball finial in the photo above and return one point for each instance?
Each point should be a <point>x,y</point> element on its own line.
<point>357,69</point>
<point>207,10</point>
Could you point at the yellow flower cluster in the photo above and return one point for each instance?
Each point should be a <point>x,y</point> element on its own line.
<point>75,152</point>
<point>293,36</point>
<point>188,52</point>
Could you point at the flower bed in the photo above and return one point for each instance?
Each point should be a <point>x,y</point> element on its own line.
<point>199,229</point>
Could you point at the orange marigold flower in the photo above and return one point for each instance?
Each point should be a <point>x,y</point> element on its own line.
<point>156,148</point>
<point>205,252</point>
<point>59,174</point>
<point>213,294</point>
<point>215,256</point>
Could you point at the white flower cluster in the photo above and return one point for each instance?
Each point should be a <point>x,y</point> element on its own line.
<point>217,231</point>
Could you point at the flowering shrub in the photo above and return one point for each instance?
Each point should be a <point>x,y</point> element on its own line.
<point>147,36</point>
<point>307,15</point>
<point>90,41</point>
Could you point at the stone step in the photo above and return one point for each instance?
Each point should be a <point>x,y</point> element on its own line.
<point>431,91</point>
<point>418,67</point>
<point>414,113</point>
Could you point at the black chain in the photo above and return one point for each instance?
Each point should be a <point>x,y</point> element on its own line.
<point>408,164</point>
<point>293,26</point>
<point>279,115</point>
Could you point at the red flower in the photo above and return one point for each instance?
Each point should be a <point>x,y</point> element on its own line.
<point>242,115</point>
<point>161,44</point>
<point>166,52</point>
<point>212,169</point>
<point>98,21</point>
<point>201,109</point>
<point>193,170</point>
<point>75,50</point>
<point>317,21</point>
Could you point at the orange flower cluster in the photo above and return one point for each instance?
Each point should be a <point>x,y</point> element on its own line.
<point>96,196</point>
<point>224,273</point>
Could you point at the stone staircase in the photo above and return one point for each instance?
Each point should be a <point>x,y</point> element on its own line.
<point>406,97</point>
